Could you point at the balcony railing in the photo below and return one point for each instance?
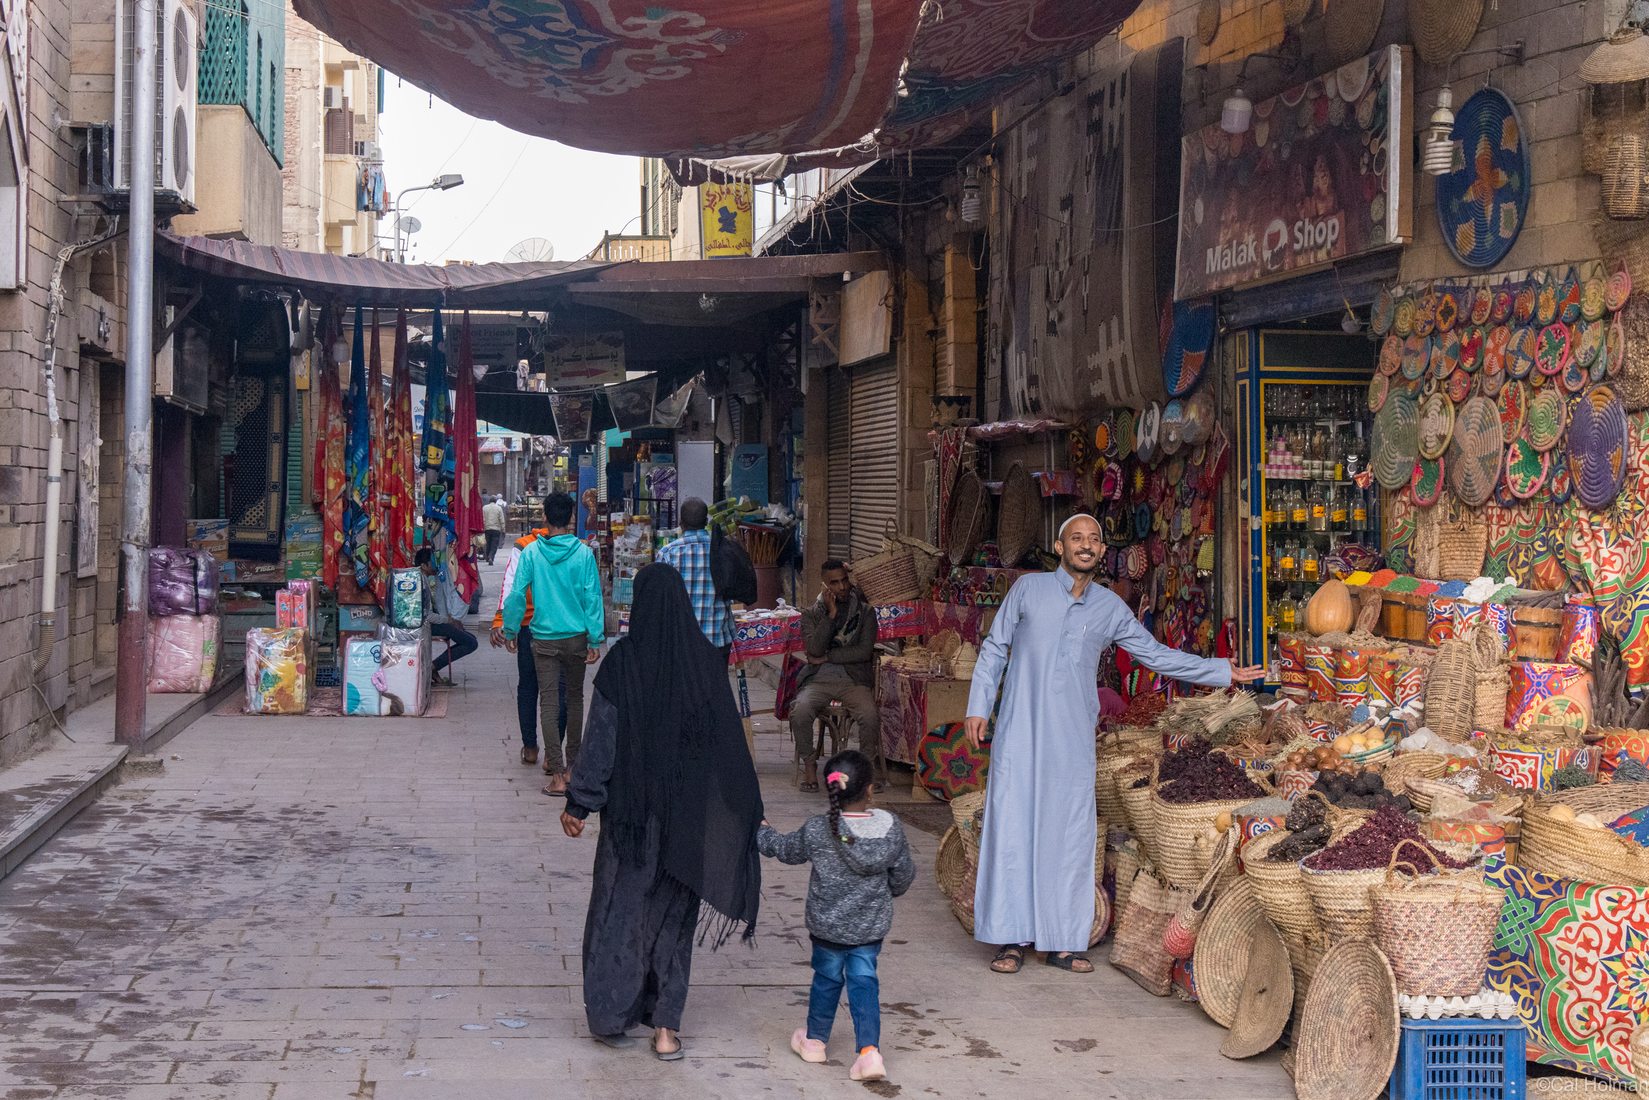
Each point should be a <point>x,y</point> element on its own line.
<point>243,64</point>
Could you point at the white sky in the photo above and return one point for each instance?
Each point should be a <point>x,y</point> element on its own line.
<point>515,186</point>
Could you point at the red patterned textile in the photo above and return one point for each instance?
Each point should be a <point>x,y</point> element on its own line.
<point>466,503</point>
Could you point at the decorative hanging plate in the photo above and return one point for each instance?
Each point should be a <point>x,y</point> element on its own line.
<point>1172,435</point>
<point>1142,521</point>
<point>1378,387</point>
<point>1482,305</point>
<point>1102,437</point>
<point>1426,485</point>
<point>1188,345</point>
<point>1520,352</point>
<point>1543,420</point>
<point>1199,418</point>
<point>1416,356</point>
<point>1495,342</point>
<point>1574,377</point>
<point>1123,432</point>
<point>1076,448</point>
<point>948,765</point>
<point>1568,298</point>
<point>1476,451</point>
<point>1110,482</point>
<point>1490,384</point>
<point>1512,405</point>
<point>1597,447</point>
<point>1391,353</point>
<point>1458,386</point>
<point>1501,311</point>
<point>1145,433</point>
<point>1471,348</point>
<point>1425,312</point>
<point>1586,340</point>
<point>1551,349</point>
<point>1436,425</point>
<point>1447,356</point>
<point>1482,203</point>
<point>1524,301</point>
<point>1594,297</point>
<point>1526,469</point>
<point>1383,312</point>
<point>1614,347</point>
<point>1396,441</point>
<point>1448,310</point>
<point>1618,290</point>
<point>1402,318</point>
<point>1560,486</point>
<point>1545,300</point>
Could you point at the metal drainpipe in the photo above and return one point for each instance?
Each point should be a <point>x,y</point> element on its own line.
<point>131,702</point>
<point>54,455</point>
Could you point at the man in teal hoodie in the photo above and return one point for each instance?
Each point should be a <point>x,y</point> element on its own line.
<point>558,572</point>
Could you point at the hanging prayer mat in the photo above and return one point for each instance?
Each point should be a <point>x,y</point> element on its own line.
<point>1476,451</point>
<point>1396,441</point>
<point>947,765</point>
<point>1545,418</point>
<point>1597,447</point>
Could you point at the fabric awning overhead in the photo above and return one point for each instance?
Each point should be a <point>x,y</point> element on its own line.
<point>722,78</point>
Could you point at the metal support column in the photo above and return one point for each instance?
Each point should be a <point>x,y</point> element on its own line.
<point>130,679</point>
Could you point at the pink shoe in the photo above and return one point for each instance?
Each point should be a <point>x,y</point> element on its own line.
<point>808,1050</point>
<point>868,1066</point>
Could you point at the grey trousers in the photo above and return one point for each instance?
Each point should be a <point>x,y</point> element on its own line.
<point>858,700</point>
<point>553,659</point>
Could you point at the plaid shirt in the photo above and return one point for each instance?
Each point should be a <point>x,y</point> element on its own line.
<point>690,555</point>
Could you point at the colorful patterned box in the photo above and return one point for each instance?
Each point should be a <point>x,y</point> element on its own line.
<point>1319,672</point>
<point>1382,678</point>
<point>1577,640</point>
<point>1497,615</point>
<point>1441,620</point>
<point>277,671</point>
<point>1621,745</point>
<point>1529,767</point>
<point>1548,693</point>
<point>1411,682</point>
<point>1291,665</point>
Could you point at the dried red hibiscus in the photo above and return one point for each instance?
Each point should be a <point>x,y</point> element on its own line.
<point>1370,845</point>
<point>1194,774</point>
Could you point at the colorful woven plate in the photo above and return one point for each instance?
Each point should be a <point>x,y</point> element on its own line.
<point>1439,366</point>
<point>1391,354</point>
<point>1425,312</point>
<point>1520,352</point>
<point>1447,356</point>
<point>1490,384</point>
<point>1471,348</point>
<point>1586,340</point>
<point>1436,425</point>
<point>1594,296</point>
<point>1504,295</point>
<point>1597,447</point>
<point>1551,349</point>
<point>1619,289</point>
<point>1545,302</point>
<point>1482,305</point>
<point>1526,469</point>
<point>1544,419</point>
<point>1614,347</point>
<point>1383,312</point>
<point>1187,352</point>
<point>1172,436</point>
<point>1448,310</point>
<point>1574,377</point>
<point>1416,356</point>
<point>1476,451</point>
<point>1123,431</point>
<point>1396,441</point>
<point>1402,319</point>
<point>1512,403</point>
<point>1568,298</point>
<point>1199,418</point>
<point>1458,385</point>
<point>1426,484</point>
<point>1495,342</point>
<point>948,765</point>
<point>1378,387</point>
<point>1146,432</point>
<point>1102,438</point>
<point>1560,486</point>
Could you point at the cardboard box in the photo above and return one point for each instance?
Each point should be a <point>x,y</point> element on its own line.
<point>359,617</point>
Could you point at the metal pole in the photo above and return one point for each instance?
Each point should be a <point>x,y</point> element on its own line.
<point>130,679</point>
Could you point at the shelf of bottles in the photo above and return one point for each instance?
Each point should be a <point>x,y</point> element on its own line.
<point>1316,443</point>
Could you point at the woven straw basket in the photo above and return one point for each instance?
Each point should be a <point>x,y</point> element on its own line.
<point>1436,929</point>
<point>1346,1041</point>
<point>957,875</point>
<point>1280,890</point>
<point>1185,837</point>
<point>1568,849</point>
<point>1137,805</point>
<point>1451,691</point>
<point>1462,538</point>
<point>1623,183</point>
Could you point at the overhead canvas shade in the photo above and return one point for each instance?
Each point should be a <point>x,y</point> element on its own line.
<point>699,77</point>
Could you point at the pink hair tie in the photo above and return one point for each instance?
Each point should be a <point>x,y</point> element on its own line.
<point>837,779</point>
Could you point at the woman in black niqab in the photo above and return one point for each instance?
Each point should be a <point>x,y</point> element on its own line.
<point>664,762</point>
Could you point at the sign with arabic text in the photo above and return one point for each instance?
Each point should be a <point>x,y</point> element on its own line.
<point>728,211</point>
<point>584,359</point>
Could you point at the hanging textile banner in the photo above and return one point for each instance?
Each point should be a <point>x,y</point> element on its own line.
<point>402,474</point>
<point>728,213</point>
<point>438,460</point>
<point>466,506</point>
<point>670,411</point>
<point>330,429</point>
<point>584,359</point>
<point>378,536</point>
<point>574,413</point>
<point>1321,174</point>
<point>358,465</point>
<point>632,403</point>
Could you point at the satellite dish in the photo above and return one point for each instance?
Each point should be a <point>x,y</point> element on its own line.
<point>531,250</point>
<point>409,225</point>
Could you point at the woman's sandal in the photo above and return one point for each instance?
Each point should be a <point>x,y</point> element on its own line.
<point>1069,962</point>
<point>1009,959</point>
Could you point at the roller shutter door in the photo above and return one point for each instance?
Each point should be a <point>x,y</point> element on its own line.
<point>864,457</point>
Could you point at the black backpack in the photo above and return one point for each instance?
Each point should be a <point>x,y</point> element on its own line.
<point>731,570</point>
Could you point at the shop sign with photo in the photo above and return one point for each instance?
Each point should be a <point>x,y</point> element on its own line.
<point>1321,174</point>
<point>573,413</point>
<point>632,403</point>
<point>584,359</point>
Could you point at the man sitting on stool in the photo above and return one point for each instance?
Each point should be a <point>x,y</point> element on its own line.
<point>839,635</point>
<point>442,622</point>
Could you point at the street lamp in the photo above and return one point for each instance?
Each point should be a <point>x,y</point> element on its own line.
<point>439,183</point>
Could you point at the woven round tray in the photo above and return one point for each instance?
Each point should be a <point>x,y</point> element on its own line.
<point>1520,352</point>
<point>1391,354</point>
<point>1545,419</point>
<point>1345,1042</point>
<point>1220,960</point>
<point>969,515</point>
<point>1526,468</point>
<point>1208,21</point>
<point>1426,484</point>
<point>1146,430</point>
<point>1597,447</point>
<point>1512,404</point>
<point>1568,298</point>
<point>1436,425</point>
<point>1594,295</point>
<point>1523,300</point>
<point>1476,451</point>
<point>1383,312</point>
<point>1416,356</point>
<point>1448,310</point>
<point>1545,300</point>
<point>1018,516</point>
<point>1458,387</point>
<point>1378,387</point>
<point>1396,441</point>
<point>1471,348</point>
<point>1266,998</point>
<point>1124,433</point>
<point>1551,349</point>
<point>1199,418</point>
<point>1482,305</point>
<point>1619,288</point>
<point>1614,347</point>
<point>1586,342</point>
<point>1496,340</point>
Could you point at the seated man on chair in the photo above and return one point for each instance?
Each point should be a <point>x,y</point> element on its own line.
<point>446,611</point>
<point>839,636</point>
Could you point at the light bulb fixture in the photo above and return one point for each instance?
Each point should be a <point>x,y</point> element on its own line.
<point>1437,141</point>
<point>1349,324</point>
<point>973,203</point>
<point>1238,113</point>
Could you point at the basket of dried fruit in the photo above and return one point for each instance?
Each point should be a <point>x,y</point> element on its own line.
<point>1339,877</point>
<point>1575,834</point>
<point>1194,786</point>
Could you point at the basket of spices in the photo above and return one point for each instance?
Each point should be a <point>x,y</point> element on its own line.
<point>1339,877</point>
<point>1194,787</point>
<point>1134,784</point>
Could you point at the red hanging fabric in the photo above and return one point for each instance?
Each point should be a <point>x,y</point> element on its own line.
<point>400,484</point>
<point>332,464</point>
<point>378,517</point>
<point>466,504</point>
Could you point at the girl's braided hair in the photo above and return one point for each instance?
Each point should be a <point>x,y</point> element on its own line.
<point>848,775</point>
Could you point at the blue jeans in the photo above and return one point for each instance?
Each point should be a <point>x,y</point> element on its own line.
<point>855,967</point>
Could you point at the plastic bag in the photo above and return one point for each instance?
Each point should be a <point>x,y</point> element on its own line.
<point>183,653</point>
<point>182,582</point>
<point>277,671</point>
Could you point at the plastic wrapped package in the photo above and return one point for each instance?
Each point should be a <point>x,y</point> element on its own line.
<point>277,671</point>
<point>406,598</point>
<point>183,653</point>
<point>362,659</point>
<point>295,605</point>
<point>403,673</point>
<point>182,582</point>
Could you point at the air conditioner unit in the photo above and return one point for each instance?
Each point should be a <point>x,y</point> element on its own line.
<point>369,150</point>
<point>177,64</point>
<point>183,368</point>
<point>332,96</point>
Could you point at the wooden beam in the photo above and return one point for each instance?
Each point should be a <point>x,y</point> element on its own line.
<point>736,273</point>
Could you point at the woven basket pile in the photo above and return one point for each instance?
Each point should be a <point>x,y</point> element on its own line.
<point>1436,929</point>
<point>1569,849</point>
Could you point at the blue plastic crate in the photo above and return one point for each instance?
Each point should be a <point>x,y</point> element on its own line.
<point>1461,1059</point>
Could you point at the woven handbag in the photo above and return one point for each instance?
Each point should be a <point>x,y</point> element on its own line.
<point>1462,540</point>
<point>1451,691</point>
<point>1138,949</point>
<point>1436,929</point>
<point>1491,677</point>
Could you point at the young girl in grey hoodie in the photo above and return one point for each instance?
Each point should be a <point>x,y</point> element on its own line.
<point>861,862</point>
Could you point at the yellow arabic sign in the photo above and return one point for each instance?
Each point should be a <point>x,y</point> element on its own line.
<point>728,216</point>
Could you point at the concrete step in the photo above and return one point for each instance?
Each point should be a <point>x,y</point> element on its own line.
<point>40,795</point>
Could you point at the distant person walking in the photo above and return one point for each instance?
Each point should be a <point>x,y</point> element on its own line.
<point>526,671</point>
<point>558,573</point>
<point>689,555</point>
<point>492,518</point>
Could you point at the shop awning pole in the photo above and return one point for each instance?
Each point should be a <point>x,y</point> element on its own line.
<point>130,675</point>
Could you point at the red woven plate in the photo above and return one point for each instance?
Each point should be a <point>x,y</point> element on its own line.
<point>1427,484</point>
<point>1551,350</point>
<point>1526,469</point>
<point>1482,305</point>
<point>947,765</point>
<point>1471,348</point>
<point>1391,354</point>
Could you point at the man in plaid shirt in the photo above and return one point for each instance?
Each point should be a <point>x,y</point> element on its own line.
<point>690,556</point>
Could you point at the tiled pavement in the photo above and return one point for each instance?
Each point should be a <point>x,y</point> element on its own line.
<point>386,909</point>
